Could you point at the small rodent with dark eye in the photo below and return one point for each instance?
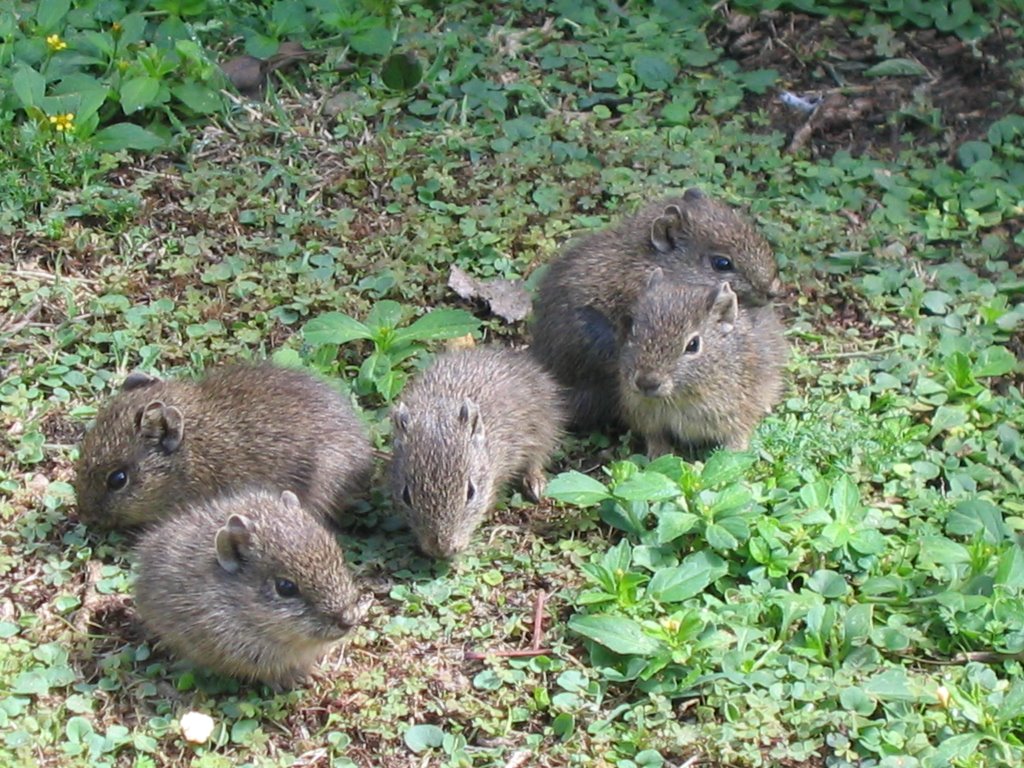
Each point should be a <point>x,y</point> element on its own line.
<point>469,423</point>
<point>696,369</point>
<point>585,296</point>
<point>249,585</point>
<point>158,445</point>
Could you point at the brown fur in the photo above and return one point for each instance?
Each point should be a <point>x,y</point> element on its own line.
<point>207,586</point>
<point>239,426</point>
<point>696,369</point>
<point>468,424</point>
<point>584,298</point>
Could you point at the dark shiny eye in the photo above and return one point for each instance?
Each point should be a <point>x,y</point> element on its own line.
<point>286,588</point>
<point>117,480</point>
<point>721,264</point>
<point>470,492</point>
<point>406,496</point>
<point>693,346</point>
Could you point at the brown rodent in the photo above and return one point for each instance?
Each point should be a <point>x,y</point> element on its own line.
<point>470,422</point>
<point>696,369</point>
<point>583,299</point>
<point>248,585</point>
<point>158,445</point>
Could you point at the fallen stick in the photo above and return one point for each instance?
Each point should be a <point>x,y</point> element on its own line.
<point>534,649</point>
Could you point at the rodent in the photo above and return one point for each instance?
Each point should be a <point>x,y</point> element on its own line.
<point>248,584</point>
<point>471,421</point>
<point>583,298</point>
<point>696,369</point>
<point>158,445</point>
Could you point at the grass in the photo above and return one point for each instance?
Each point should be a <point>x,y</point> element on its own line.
<point>849,593</point>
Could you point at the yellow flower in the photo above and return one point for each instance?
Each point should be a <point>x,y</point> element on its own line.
<point>63,122</point>
<point>55,43</point>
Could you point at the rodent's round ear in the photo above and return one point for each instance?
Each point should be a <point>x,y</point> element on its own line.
<point>725,308</point>
<point>693,195</point>
<point>163,423</point>
<point>469,413</point>
<point>666,229</point>
<point>656,277</point>
<point>138,380</point>
<point>233,542</point>
<point>290,500</point>
<point>400,419</point>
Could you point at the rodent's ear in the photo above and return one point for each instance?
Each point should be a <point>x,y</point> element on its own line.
<point>725,307</point>
<point>290,500</point>
<point>163,423</point>
<point>693,195</point>
<point>233,542</point>
<point>400,419</point>
<point>469,413</point>
<point>655,278</point>
<point>138,380</point>
<point>667,228</point>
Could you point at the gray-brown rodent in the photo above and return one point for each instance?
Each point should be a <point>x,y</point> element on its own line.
<point>696,369</point>
<point>248,585</point>
<point>158,445</point>
<point>470,422</point>
<point>584,298</point>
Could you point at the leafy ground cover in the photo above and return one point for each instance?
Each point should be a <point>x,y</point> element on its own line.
<point>849,593</point>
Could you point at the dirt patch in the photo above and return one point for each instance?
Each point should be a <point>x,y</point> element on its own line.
<point>961,91</point>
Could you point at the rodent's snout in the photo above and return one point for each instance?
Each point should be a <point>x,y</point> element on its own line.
<point>353,614</point>
<point>776,289</point>
<point>652,384</point>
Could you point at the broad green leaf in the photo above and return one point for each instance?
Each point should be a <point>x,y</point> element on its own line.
<point>674,585</point>
<point>126,136</point>
<point>724,467</point>
<point>719,537</point>
<point>828,584</point>
<point>138,93</point>
<point>845,497</point>
<point>854,699</point>
<point>857,623</point>
<point>672,524</point>
<point>385,315</point>
<point>995,361</point>
<point>50,14</point>
<point>974,515</point>
<point>334,328</point>
<point>372,42</point>
<point>646,486</point>
<point>420,738</point>
<point>897,68</point>
<point>438,324</point>
<point>1006,130</point>
<point>617,633</point>
<point>939,550</point>
<point>958,749</point>
<point>575,488</point>
<point>29,85</point>
<point>655,71</point>
<point>402,72</point>
<point>947,417</point>
<point>199,98</point>
<point>893,685</point>
<point>973,152</point>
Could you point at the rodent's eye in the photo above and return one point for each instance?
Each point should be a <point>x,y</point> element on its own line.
<point>406,496</point>
<point>286,587</point>
<point>117,480</point>
<point>470,491</point>
<point>721,264</point>
<point>693,346</point>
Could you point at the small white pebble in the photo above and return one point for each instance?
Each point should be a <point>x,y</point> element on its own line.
<point>196,727</point>
<point>38,484</point>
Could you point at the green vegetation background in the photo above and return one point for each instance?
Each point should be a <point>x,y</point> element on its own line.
<point>849,593</point>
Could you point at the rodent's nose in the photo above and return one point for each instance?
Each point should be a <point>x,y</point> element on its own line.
<point>776,289</point>
<point>649,384</point>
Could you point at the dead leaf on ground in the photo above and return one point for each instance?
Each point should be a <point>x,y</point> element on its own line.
<point>507,299</point>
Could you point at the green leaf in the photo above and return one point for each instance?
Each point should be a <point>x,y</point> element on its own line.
<point>438,324</point>
<point>420,738</point>
<point>972,152</point>
<point>50,14</point>
<point>617,633</point>
<point>27,683</point>
<point>724,467</point>
<point>199,98</point>
<point>78,729</point>
<point>856,700</point>
<point>939,550</point>
<point>673,523</point>
<point>845,497</point>
<point>995,361</point>
<point>29,85</point>
<point>654,71</point>
<point>372,42</point>
<point>646,486</point>
<point>897,68</point>
<point>139,92</point>
<point>674,585</point>
<point>334,328</point>
<point>828,584</point>
<point>385,315</point>
<point>719,537</point>
<point>892,685</point>
<point>575,488</point>
<point>402,72</point>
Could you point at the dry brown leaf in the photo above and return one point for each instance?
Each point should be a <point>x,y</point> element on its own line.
<point>507,299</point>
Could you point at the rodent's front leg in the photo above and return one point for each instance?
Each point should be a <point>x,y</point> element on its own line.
<point>534,482</point>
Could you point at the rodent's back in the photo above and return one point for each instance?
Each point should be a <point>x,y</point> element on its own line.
<point>211,585</point>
